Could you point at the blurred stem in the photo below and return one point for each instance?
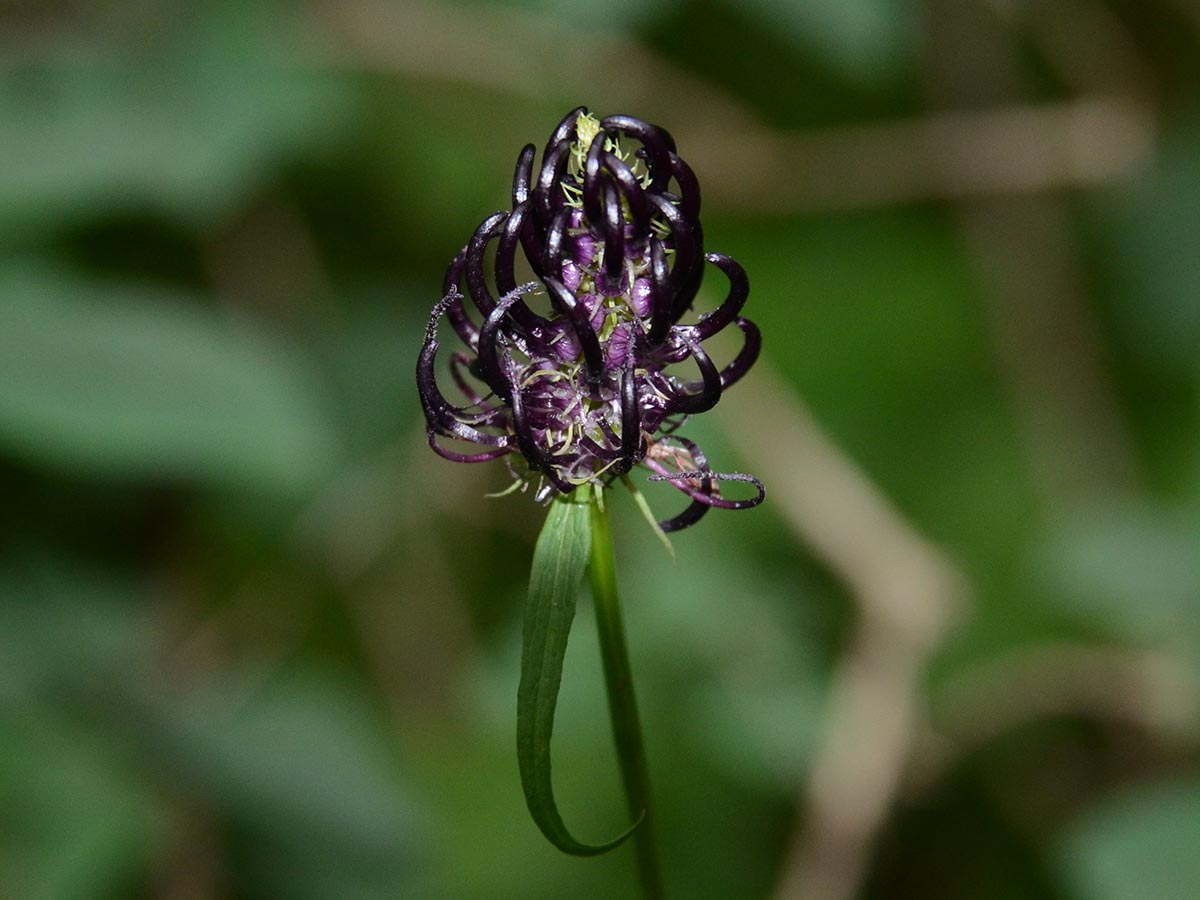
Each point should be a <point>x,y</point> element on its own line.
<point>622,706</point>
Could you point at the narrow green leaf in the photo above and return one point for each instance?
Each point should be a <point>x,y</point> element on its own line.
<point>648,514</point>
<point>560,560</point>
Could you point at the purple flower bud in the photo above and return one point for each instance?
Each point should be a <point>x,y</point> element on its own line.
<point>639,299</point>
<point>594,304</point>
<point>571,275</point>
<point>585,250</point>
<point>566,347</point>
<point>610,224</point>
<point>620,345</point>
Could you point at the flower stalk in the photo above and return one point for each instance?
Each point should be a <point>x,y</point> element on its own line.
<point>622,704</point>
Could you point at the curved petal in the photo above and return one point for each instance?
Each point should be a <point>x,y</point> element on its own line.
<point>600,162</point>
<point>614,240</point>
<point>593,205</point>
<point>476,282</point>
<point>657,143</point>
<point>695,510</point>
<point>455,456</point>
<point>679,479</point>
<point>684,281</point>
<point>631,418</point>
<point>523,176</point>
<point>565,130</point>
<point>633,192</point>
<point>534,327</point>
<point>739,290</point>
<point>460,364</point>
<point>555,235</point>
<point>440,415</point>
<point>698,397</point>
<point>553,165</point>
<point>692,514</point>
<point>527,444</point>
<point>489,343</point>
<point>746,358</point>
<point>452,284</point>
<point>689,188</point>
<point>660,293</point>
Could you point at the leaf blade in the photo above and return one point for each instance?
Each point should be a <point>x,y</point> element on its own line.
<point>560,560</point>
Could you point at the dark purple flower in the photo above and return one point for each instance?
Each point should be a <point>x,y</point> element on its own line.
<point>610,227</point>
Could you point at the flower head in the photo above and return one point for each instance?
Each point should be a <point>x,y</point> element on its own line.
<point>610,226</point>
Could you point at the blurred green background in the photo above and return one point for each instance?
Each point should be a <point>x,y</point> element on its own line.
<point>256,641</point>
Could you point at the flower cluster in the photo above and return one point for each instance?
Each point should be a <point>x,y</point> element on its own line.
<point>610,227</point>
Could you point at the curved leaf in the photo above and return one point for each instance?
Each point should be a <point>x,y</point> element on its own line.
<point>560,560</point>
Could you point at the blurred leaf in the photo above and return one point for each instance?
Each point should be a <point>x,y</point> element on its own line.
<point>863,41</point>
<point>77,824</point>
<point>744,636</point>
<point>436,171</point>
<point>66,623</point>
<point>1128,567</point>
<point>1151,256</point>
<point>1136,847</point>
<point>80,822</point>
<point>599,14</point>
<point>302,764</point>
<point>763,734</point>
<point>875,320</point>
<point>301,761</point>
<point>184,120</point>
<point>137,382</point>
<point>368,363</point>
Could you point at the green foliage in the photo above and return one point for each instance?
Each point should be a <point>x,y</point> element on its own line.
<point>84,825</point>
<point>257,641</point>
<point>129,381</point>
<point>1157,276</point>
<point>185,122</point>
<point>1103,557</point>
<point>106,768</point>
<point>864,42</point>
<point>1136,846</point>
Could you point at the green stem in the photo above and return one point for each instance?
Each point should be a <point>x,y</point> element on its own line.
<point>622,706</point>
